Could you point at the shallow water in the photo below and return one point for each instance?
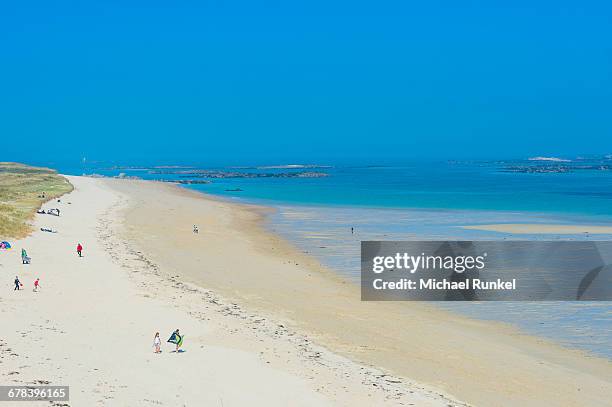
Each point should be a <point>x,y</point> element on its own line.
<point>326,233</point>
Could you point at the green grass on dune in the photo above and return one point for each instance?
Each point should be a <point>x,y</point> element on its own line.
<point>22,191</point>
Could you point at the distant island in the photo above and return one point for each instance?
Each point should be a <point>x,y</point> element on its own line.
<point>237,174</point>
<point>547,165</point>
<point>283,167</point>
<point>555,159</point>
<point>556,168</point>
<point>186,181</point>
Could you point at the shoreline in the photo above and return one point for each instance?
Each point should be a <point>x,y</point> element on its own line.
<point>432,365</point>
<point>570,216</point>
<point>543,228</point>
<point>325,234</point>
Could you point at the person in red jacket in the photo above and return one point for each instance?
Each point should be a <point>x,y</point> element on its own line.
<point>79,249</point>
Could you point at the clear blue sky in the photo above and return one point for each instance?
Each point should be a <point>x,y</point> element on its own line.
<point>288,81</point>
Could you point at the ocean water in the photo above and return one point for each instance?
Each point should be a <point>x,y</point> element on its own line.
<point>428,201</point>
<point>441,185</point>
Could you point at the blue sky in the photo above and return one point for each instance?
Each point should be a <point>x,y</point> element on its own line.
<point>316,81</point>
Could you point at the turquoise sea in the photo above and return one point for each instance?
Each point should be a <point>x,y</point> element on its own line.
<point>423,201</point>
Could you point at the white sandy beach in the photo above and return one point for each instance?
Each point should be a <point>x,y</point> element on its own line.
<point>263,323</point>
<point>91,327</point>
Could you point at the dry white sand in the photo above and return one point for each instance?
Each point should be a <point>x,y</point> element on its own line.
<point>91,325</point>
<point>535,228</point>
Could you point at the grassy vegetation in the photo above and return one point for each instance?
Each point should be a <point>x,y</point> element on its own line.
<point>22,190</point>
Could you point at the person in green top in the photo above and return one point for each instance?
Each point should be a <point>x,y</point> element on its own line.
<point>24,256</point>
<point>177,339</point>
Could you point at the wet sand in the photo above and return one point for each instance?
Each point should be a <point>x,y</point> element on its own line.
<point>534,228</point>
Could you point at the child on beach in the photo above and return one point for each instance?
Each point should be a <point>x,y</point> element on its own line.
<point>24,257</point>
<point>17,284</point>
<point>157,343</point>
<point>36,285</point>
<point>79,249</point>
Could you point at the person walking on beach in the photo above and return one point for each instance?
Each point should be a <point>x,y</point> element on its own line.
<point>195,229</point>
<point>79,250</point>
<point>177,339</point>
<point>36,285</point>
<point>17,284</point>
<point>157,343</point>
<point>24,256</point>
